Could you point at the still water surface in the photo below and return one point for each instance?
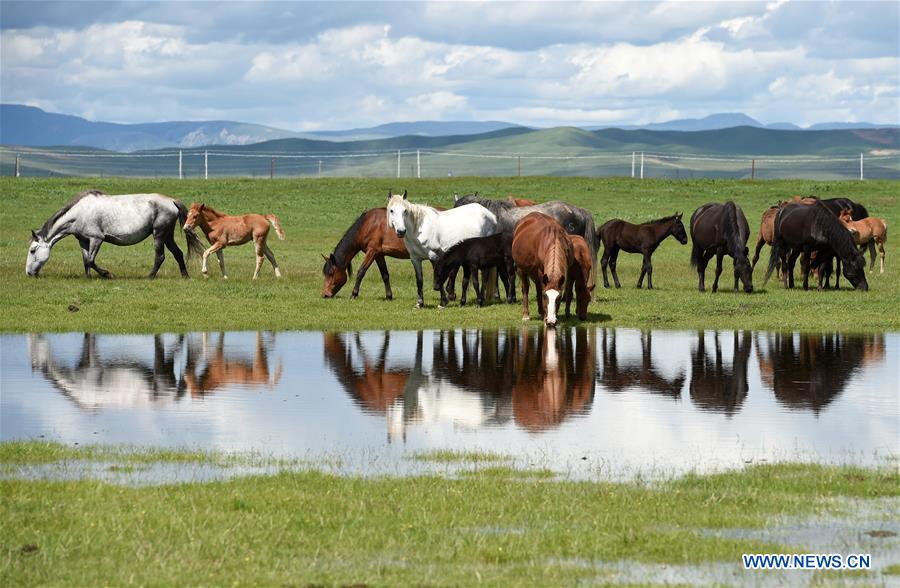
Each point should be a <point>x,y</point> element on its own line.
<point>608,403</point>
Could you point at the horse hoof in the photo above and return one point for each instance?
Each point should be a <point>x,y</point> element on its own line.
<point>226,277</point>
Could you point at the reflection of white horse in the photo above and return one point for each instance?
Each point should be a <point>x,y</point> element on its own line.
<point>428,233</point>
<point>98,383</point>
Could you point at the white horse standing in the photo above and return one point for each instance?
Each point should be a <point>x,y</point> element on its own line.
<point>428,233</point>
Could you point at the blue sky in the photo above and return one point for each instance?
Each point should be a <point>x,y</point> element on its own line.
<point>336,65</point>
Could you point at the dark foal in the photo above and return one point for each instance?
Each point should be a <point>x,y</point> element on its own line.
<point>618,235</point>
<point>474,255</point>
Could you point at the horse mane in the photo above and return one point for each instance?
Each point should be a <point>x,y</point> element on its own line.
<point>342,249</point>
<point>44,230</point>
<point>733,239</point>
<point>214,212</point>
<point>833,230</point>
<point>494,206</point>
<point>660,220</point>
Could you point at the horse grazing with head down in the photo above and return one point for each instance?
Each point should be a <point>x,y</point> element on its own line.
<point>618,235</point>
<point>369,233</point>
<point>222,230</point>
<point>543,253</point>
<point>95,218</point>
<point>865,232</point>
<point>579,277</point>
<point>807,229</point>
<point>721,229</point>
<point>428,233</point>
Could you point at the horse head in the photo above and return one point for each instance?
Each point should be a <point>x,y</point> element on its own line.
<point>855,271</point>
<point>38,254</point>
<point>678,230</point>
<point>193,214</point>
<point>335,276</point>
<point>396,212</point>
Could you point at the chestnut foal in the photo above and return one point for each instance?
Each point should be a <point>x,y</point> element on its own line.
<point>865,230</point>
<point>222,230</point>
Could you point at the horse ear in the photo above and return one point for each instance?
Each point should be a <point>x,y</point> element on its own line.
<point>34,236</point>
<point>404,194</point>
<point>390,193</point>
<point>323,256</point>
<point>476,192</point>
<point>332,259</point>
<point>678,215</point>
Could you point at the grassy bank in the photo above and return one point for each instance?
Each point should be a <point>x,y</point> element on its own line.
<point>495,525</point>
<point>315,213</point>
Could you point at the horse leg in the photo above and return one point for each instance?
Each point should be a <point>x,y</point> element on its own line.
<point>539,296</point>
<point>511,275</point>
<point>649,272</point>
<point>385,277</point>
<point>880,255</point>
<point>361,272</point>
<point>702,262</point>
<point>271,257</point>
<point>645,271</point>
<point>789,267</point>
<point>482,292</point>
<point>504,277</point>
<point>467,275</point>
<point>451,283</point>
<point>159,250</point>
<point>804,269</point>
<point>212,249</point>
<point>720,253</point>
<point>614,257</point>
<point>523,279</point>
<point>837,273</point>
<point>871,247</point>
<point>93,249</point>
<point>220,255</point>
<point>85,256</point>
<point>417,266</point>
<point>258,247</point>
<point>570,282</point>
<point>173,248</point>
<point>604,262</point>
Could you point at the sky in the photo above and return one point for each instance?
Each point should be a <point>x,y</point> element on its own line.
<point>338,65</point>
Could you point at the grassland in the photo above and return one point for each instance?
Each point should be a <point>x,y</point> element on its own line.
<point>493,526</point>
<point>315,213</point>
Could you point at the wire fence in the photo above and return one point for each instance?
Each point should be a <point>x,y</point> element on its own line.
<point>438,163</point>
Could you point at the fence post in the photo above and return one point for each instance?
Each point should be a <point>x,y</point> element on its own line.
<point>753,170</point>
<point>642,165</point>
<point>633,155</point>
<point>418,164</point>
<point>205,165</point>
<point>180,166</point>
<point>860,167</point>
<point>18,170</point>
<point>398,163</point>
<point>272,168</point>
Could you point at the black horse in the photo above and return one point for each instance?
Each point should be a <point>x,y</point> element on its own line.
<point>479,253</point>
<point>644,238</point>
<point>720,229</point>
<point>809,229</point>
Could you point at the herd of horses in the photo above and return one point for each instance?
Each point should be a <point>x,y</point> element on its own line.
<point>552,245</point>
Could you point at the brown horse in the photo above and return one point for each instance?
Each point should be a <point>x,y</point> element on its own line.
<point>644,238</point>
<point>721,229</point>
<point>579,277</point>
<point>519,201</point>
<point>222,230</point>
<point>866,230</point>
<point>543,253</point>
<point>766,234</point>
<point>368,233</point>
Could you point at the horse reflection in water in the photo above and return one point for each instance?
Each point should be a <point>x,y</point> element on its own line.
<point>644,375</point>
<point>807,372</point>
<point>475,380</point>
<point>714,386</point>
<point>118,377</point>
<point>220,369</point>
<point>554,377</point>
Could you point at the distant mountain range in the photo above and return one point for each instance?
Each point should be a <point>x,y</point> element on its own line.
<point>32,127</point>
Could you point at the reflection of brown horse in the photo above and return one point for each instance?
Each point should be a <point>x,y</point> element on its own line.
<point>713,386</point>
<point>370,383</point>
<point>369,233</point>
<point>808,371</point>
<point>222,371</point>
<point>618,377</point>
<point>555,376</point>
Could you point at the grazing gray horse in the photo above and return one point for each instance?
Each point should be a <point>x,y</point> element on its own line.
<point>94,218</point>
<point>575,220</point>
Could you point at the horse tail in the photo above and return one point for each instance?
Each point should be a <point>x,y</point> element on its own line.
<point>194,244</point>
<point>593,241</point>
<point>274,220</point>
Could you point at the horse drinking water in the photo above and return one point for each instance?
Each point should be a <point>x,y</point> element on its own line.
<point>95,218</point>
<point>543,253</point>
<point>222,230</point>
<point>428,233</point>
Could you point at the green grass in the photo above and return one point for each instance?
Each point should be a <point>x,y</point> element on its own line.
<point>315,213</point>
<point>494,526</point>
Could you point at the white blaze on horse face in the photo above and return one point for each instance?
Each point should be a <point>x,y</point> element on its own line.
<point>38,254</point>
<point>395,216</point>
<point>550,314</point>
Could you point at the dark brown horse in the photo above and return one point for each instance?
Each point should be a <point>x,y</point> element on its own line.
<point>618,235</point>
<point>542,252</point>
<point>579,278</point>
<point>721,229</point>
<point>368,233</point>
<point>473,255</point>
<point>807,229</point>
